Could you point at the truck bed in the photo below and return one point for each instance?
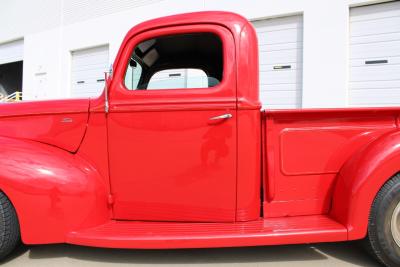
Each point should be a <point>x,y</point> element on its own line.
<point>303,151</point>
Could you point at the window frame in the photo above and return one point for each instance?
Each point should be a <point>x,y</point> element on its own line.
<point>179,30</point>
<point>164,34</point>
<point>224,95</point>
<point>217,32</point>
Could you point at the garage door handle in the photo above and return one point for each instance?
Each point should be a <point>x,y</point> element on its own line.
<point>100,80</point>
<point>381,61</point>
<point>282,67</point>
<point>80,82</point>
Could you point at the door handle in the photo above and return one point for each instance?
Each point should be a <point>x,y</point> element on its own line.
<point>221,117</point>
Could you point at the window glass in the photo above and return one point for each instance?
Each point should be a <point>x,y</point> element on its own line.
<point>178,78</point>
<point>133,74</point>
<point>180,61</point>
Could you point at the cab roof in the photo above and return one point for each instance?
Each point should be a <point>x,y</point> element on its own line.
<point>232,21</point>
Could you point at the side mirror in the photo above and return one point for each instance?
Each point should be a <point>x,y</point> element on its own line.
<point>107,79</point>
<point>132,63</point>
<point>110,71</point>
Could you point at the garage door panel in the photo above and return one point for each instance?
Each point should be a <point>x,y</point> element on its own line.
<point>387,94</point>
<point>282,98</point>
<point>273,67</point>
<point>90,61</point>
<point>280,37</point>
<point>279,99</point>
<point>278,93</point>
<point>273,77</point>
<point>375,38</point>
<point>90,73</point>
<point>280,46</point>
<point>360,62</point>
<point>87,80</point>
<point>279,87</point>
<point>286,100</point>
<point>375,55</point>
<point>371,73</point>
<point>379,96</point>
<point>11,51</point>
<point>89,52</point>
<point>280,58</point>
<point>376,26</point>
<point>84,81</point>
<point>94,67</point>
<point>275,24</point>
<point>366,104</point>
<point>375,84</point>
<point>381,49</point>
<point>90,67</point>
<point>87,71</point>
<point>90,87</point>
<point>281,95</point>
<point>375,12</point>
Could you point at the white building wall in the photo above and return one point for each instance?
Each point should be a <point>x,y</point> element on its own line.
<point>41,67</point>
<point>325,42</point>
<point>53,28</point>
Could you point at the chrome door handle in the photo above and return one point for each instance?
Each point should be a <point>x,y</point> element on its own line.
<point>221,117</point>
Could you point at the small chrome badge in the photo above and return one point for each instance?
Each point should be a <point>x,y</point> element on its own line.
<point>66,120</point>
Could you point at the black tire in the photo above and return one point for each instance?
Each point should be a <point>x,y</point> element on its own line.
<point>380,241</point>
<point>9,227</point>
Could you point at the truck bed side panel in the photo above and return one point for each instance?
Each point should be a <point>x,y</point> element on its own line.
<point>306,149</point>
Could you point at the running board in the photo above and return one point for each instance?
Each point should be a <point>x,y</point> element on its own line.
<point>166,235</point>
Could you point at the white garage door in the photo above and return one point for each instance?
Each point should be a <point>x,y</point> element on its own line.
<point>88,67</point>
<point>375,55</point>
<point>281,57</point>
<point>11,51</point>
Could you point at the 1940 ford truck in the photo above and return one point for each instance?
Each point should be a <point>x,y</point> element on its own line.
<point>150,164</point>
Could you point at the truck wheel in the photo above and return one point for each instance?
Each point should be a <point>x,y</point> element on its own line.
<point>9,227</point>
<point>383,239</point>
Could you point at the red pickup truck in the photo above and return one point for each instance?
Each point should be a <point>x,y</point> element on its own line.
<point>150,164</point>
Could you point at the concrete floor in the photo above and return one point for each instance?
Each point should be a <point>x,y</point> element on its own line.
<point>335,254</point>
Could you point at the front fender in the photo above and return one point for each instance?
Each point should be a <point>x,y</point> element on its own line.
<point>53,191</point>
<point>360,179</point>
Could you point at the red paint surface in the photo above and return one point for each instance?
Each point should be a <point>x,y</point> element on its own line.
<point>276,231</point>
<point>168,161</point>
<point>276,177</point>
<point>306,149</point>
<point>60,123</point>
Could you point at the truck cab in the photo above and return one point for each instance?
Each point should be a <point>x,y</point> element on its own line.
<point>175,114</point>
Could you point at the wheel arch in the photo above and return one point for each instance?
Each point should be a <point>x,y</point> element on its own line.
<point>360,179</point>
<point>53,191</point>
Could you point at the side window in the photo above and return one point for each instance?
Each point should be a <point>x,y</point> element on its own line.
<point>180,78</point>
<point>180,61</point>
<point>132,75</point>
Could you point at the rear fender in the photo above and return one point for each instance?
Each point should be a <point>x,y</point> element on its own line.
<point>360,179</point>
<point>53,191</point>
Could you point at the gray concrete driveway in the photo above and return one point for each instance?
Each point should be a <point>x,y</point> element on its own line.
<point>335,254</point>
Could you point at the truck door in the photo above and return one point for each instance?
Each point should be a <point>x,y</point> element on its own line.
<point>172,126</point>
